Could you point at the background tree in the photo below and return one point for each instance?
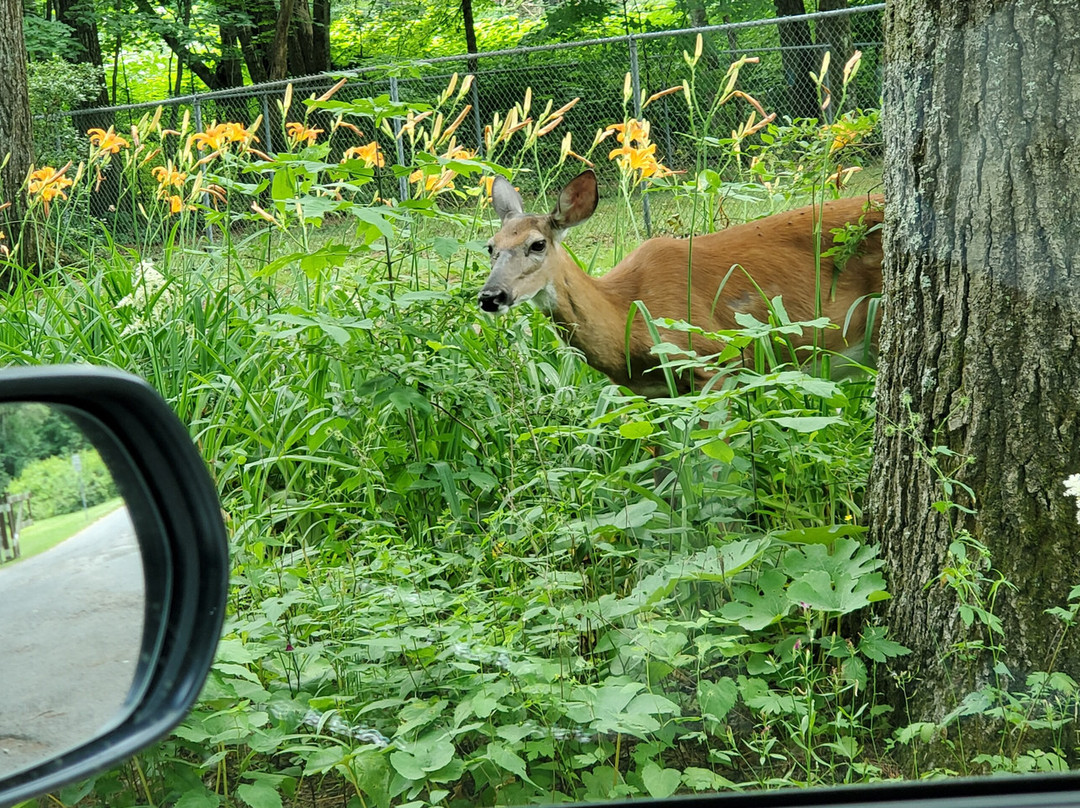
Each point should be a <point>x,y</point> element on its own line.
<point>799,59</point>
<point>980,356</point>
<point>16,134</point>
<point>834,35</point>
<point>469,24</point>
<point>81,18</point>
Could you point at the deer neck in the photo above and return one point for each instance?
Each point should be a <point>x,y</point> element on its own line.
<point>587,317</point>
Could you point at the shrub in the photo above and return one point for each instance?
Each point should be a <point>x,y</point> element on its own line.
<point>55,486</point>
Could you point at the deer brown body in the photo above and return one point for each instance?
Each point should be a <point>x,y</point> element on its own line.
<point>528,262</point>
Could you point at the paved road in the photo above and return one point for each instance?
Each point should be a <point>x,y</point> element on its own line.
<point>71,624</point>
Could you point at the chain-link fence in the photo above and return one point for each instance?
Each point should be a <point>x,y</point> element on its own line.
<point>787,49</point>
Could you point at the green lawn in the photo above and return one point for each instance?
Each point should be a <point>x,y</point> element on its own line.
<point>47,533</point>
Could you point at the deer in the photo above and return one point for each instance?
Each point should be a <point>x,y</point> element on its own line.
<point>709,277</point>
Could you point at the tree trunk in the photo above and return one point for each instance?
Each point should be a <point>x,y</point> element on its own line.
<point>732,38</point>
<point>302,42</point>
<point>279,49</point>
<point>320,35</point>
<point>470,26</point>
<point>79,16</point>
<point>230,67</point>
<point>16,134</point>
<point>253,57</point>
<point>470,35</point>
<point>834,36</point>
<point>797,55</point>
<point>178,46</point>
<point>979,350</point>
<point>697,16</point>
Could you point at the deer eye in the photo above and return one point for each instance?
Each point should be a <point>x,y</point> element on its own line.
<point>491,249</point>
<point>538,246</point>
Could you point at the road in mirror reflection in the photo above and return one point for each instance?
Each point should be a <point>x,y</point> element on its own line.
<point>72,593</point>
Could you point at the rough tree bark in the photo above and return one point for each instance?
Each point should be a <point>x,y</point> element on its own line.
<point>16,134</point>
<point>278,60</point>
<point>980,349</point>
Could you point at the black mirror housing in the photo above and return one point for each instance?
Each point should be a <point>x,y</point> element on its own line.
<point>174,507</point>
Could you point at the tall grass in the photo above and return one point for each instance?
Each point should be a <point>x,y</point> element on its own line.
<point>456,577</point>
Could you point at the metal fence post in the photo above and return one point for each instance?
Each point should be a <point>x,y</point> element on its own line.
<point>266,123</point>
<point>403,183</point>
<point>635,84</point>
<point>476,114</point>
<point>205,195</point>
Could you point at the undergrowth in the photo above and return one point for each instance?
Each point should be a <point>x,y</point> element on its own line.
<point>456,577</point>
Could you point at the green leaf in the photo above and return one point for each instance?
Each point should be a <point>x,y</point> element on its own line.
<point>756,606</point>
<point>259,795</point>
<point>372,223</point>
<point>704,780</point>
<point>660,783</point>
<point>501,755</point>
<point>635,430</point>
<point>445,247</point>
<point>840,582</point>
<point>923,730</point>
<point>873,645</point>
<point>332,255</point>
<point>717,698</point>
<point>198,799</point>
<point>807,424</point>
<point>848,557</point>
<point>825,534</point>
<point>719,450</point>
<point>371,772</point>
<point>840,594</point>
<point>378,108</point>
<point>427,754</point>
<point>636,514</point>
<point>283,187</point>
<point>757,695</point>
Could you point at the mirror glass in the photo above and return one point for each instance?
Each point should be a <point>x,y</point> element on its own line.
<point>72,591</point>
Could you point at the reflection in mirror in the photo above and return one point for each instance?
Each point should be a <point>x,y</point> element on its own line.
<point>72,592</point>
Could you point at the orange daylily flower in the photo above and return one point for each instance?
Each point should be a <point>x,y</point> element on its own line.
<point>168,176</point>
<point>640,158</point>
<point>370,154</point>
<point>219,135</point>
<point>212,139</point>
<point>435,183</point>
<point>236,133</point>
<point>633,131</point>
<point>299,132</point>
<point>843,133</point>
<point>48,183</point>
<point>106,140</point>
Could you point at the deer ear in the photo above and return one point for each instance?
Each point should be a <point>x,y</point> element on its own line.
<point>576,202</point>
<point>505,198</point>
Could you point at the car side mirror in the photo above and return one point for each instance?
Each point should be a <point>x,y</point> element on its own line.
<point>113,573</point>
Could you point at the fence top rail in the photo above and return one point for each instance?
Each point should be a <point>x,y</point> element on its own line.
<point>334,75</point>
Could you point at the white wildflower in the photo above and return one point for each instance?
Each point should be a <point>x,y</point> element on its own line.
<point>147,288</point>
<point>1072,489</point>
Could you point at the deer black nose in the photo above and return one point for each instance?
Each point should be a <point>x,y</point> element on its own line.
<point>493,300</point>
